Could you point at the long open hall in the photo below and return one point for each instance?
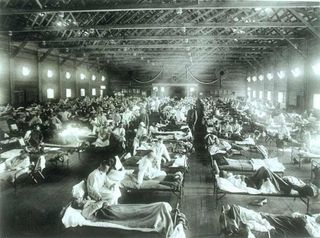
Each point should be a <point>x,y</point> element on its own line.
<point>159,118</point>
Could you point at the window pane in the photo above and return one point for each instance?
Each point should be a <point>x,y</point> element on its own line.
<point>50,93</point>
<point>68,92</point>
<point>316,101</point>
<point>82,92</point>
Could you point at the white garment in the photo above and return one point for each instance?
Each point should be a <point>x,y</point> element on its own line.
<point>254,220</point>
<point>99,186</point>
<point>148,169</point>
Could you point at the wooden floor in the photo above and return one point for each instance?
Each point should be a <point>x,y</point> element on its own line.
<point>33,211</point>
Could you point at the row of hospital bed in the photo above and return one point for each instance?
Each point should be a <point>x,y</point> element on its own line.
<point>165,216</point>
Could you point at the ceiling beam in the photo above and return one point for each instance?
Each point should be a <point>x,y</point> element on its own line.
<point>194,5</point>
<point>45,55</point>
<point>16,51</point>
<point>311,28</point>
<point>164,26</point>
<point>166,46</point>
<point>295,47</point>
<point>160,38</point>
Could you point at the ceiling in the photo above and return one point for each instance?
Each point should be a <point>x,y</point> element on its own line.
<point>144,35</point>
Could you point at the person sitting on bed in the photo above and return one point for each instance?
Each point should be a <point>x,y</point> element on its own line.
<point>148,167</point>
<point>242,221</point>
<point>216,145</point>
<point>284,185</point>
<point>100,186</point>
<point>161,152</point>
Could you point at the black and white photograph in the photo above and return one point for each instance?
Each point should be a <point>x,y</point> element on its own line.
<point>159,118</point>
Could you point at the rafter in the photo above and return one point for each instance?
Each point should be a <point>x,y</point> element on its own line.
<point>313,30</point>
<point>291,43</point>
<point>166,26</point>
<point>195,5</point>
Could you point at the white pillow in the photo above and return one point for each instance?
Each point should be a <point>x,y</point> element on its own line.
<point>79,189</point>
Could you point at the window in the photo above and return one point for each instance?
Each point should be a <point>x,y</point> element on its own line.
<point>101,92</point>
<point>68,92</point>
<point>102,87</point>
<point>261,94</point>
<point>50,93</point>
<point>82,76</point>
<point>316,101</point>
<point>280,97</point>
<point>93,77</point>
<point>103,78</point>
<point>254,94</point>
<point>261,77</point>
<point>50,73</point>
<point>93,92</point>
<point>82,92</point>
<point>68,75</point>
<point>25,71</point>
<point>269,95</point>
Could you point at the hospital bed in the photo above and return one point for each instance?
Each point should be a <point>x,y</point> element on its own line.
<point>245,166</point>
<point>172,183</point>
<point>297,154</point>
<point>175,220</point>
<point>266,225</point>
<point>222,187</point>
<point>179,162</point>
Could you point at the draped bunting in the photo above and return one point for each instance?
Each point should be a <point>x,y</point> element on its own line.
<point>151,80</point>
<point>199,81</point>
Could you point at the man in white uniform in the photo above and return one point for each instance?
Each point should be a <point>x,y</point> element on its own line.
<point>101,187</point>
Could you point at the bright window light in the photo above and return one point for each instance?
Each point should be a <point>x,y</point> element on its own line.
<point>25,71</point>
<point>93,77</point>
<point>316,101</point>
<point>50,73</point>
<point>155,88</point>
<point>269,76</point>
<point>68,75</point>
<point>254,78</point>
<point>192,89</point>
<point>249,79</point>
<point>280,97</point>
<point>260,94</point>
<point>50,93</point>
<point>103,78</point>
<point>316,68</point>
<point>296,72</point>
<point>281,74</point>
<point>254,94</point>
<point>82,76</point>
<point>269,95</point>
<point>249,88</point>
<point>93,92</point>
<point>103,87</point>
<point>162,89</point>
<point>82,92</point>
<point>249,94</point>
<point>261,77</point>
<point>68,92</point>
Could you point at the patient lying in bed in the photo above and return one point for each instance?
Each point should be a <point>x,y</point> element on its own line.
<point>242,222</point>
<point>155,216</point>
<point>265,181</point>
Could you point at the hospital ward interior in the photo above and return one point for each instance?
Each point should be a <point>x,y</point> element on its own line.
<point>159,118</point>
